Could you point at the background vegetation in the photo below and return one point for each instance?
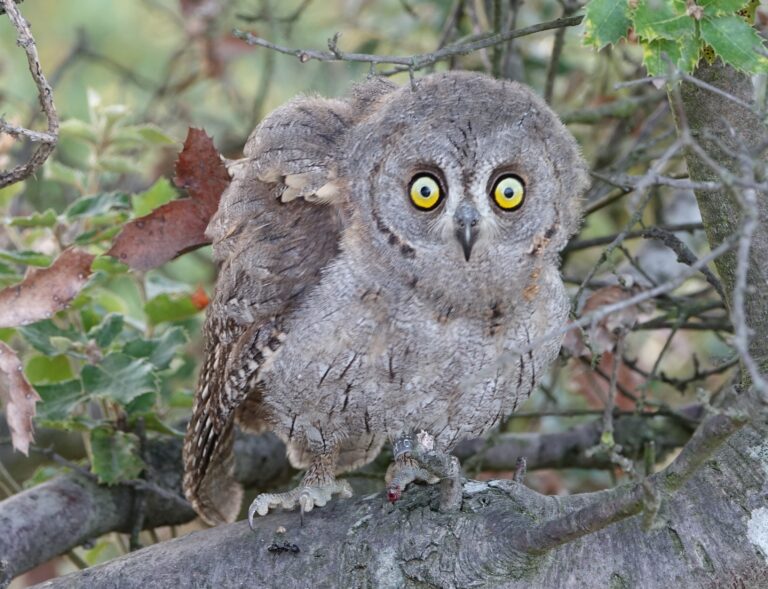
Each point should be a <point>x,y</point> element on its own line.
<point>117,367</point>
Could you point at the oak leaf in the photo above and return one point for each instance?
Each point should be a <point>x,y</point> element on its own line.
<point>45,291</point>
<point>177,226</point>
<point>19,399</point>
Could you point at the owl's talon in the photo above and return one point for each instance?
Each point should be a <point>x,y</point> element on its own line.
<point>307,497</point>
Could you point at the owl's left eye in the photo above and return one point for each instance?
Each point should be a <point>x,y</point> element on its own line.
<point>425,192</point>
<point>508,192</point>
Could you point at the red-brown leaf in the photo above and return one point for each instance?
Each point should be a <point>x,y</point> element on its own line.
<point>19,399</point>
<point>178,226</point>
<point>46,291</point>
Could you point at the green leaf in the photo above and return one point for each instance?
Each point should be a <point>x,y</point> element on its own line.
<point>119,378</point>
<point>100,204</point>
<point>141,135</point>
<point>76,423</point>
<point>114,455</point>
<point>181,399</point>
<point>41,475</point>
<point>158,194</point>
<point>105,333</point>
<point>109,265</point>
<point>662,19</point>
<point>114,112</point>
<point>720,7</point>
<point>79,130</point>
<point>154,135</point>
<point>167,307</point>
<point>606,21</point>
<point>41,369</point>
<point>159,351</point>
<point>58,172</point>
<point>118,165</point>
<point>141,405</point>
<point>7,271</point>
<point>7,193</point>
<point>156,283</point>
<point>28,258</point>
<point>153,423</point>
<point>59,400</point>
<point>735,42</point>
<point>99,234</point>
<point>47,337</point>
<point>658,54</point>
<point>45,219</point>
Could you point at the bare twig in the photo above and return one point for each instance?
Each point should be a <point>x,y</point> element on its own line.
<point>569,7</point>
<point>620,109</point>
<point>47,140</point>
<point>645,233</point>
<point>409,62</point>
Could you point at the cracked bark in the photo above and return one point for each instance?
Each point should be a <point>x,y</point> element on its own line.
<point>699,540</point>
<point>59,515</point>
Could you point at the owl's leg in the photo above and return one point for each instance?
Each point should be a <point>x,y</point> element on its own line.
<point>316,489</point>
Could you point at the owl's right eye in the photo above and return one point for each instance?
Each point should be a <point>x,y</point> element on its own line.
<point>425,192</point>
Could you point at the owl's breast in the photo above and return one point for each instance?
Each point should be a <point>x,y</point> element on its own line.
<point>367,361</point>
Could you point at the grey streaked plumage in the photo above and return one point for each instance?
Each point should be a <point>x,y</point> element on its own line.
<point>344,316</point>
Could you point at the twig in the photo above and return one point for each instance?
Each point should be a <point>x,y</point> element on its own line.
<point>606,310</point>
<point>646,233</point>
<point>641,187</point>
<point>741,338</point>
<point>410,62</point>
<point>569,7</point>
<point>47,141</point>
<point>622,108</point>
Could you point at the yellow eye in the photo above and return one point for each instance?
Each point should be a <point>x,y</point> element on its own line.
<point>508,192</point>
<point>425,192</point>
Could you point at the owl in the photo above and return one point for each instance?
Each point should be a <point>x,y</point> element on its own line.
<point>382,257</point>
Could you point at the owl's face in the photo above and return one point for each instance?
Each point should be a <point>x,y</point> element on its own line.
<point>476,179</point>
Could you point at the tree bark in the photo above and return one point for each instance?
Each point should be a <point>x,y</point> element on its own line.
<point>59,515</point>
<point>702,537</point>
<point>724,129</point>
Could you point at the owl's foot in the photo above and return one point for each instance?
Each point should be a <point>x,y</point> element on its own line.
<point>404,471</point>
<point>422,462</point>
<point>307,497</point>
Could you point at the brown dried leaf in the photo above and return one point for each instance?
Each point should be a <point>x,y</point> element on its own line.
<point>178,226</point>
<point>19,399</point>
<point>45,291</point>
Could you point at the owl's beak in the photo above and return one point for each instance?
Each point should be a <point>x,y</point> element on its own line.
<point>465,220</point>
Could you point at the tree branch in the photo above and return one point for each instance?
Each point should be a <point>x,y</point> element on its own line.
<point>47,140</point>
<point>495,537</point>
<point>409,62</point>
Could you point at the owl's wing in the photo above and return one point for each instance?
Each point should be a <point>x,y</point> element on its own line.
<point>277,227</point>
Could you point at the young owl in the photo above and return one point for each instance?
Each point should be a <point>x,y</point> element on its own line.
<point>382,257</point>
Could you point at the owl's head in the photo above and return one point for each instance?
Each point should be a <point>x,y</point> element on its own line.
<point>461,177</point>
<point>457,178</point>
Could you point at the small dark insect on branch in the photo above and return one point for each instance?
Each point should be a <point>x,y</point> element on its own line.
<point>409,62</point>
<point>276,548</point>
